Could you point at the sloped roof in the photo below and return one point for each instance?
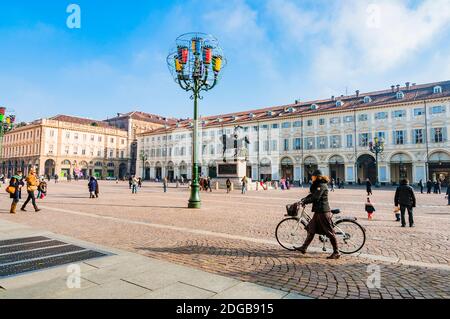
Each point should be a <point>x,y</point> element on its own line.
<point>81,120</point>
<point>147,117</point>
<point>378,98</point>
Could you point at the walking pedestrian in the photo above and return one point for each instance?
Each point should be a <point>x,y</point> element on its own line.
<point>435,187</point>
<point>421,186</point>
<point>429,186</point>
<point>439,186</point>
<point>140,182</point>
<point>208,184</point>
<point>15,190</point>
<point>134,185</point>
<point>165,182</point>
<point>370,209</point>
<point>97,187</point>
<point>322,222</point>
<point>405,198</point>
<point>228,186</point>
<point>448,195</point>
<point>332,184</point>
<point>42,189</point>
<point>244,182</point>
<point>32,186</point>
<point>92,186</point>
<point>56,178</point>
<point>130,181</point>
<point>368,187</point>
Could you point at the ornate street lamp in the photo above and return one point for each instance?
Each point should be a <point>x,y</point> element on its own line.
<point>377,147</point>
<point>6,124</point>
<point>143,156</point>
<point>195,65</point>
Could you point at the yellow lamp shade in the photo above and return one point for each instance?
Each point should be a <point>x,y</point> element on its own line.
<point>217,63</point>
<point>178,66</point>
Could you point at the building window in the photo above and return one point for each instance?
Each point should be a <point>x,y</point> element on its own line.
<point>83,152</point>
<point>275,126</point>
<point>419,111</point>
<point>381,136</point>
<point>266,146</point>
<point>381,116</point>
<point>335,141</point>
<point>322,142</point>
<point>310,143</point>
<point>349,140</point>
<point>418,136</point>
<point>335,120</point>
<point>286,144</point>
<point>367,99</point>
<point>400,95</point>
<point>362,117</point>
<point>321,121</point>
<point>297,144</point>
<point>309,123</point>
<point>437,90</point>
<point>364,139</point>
<point>399,137</point>
<point>286,125</point>
<point>67,135</point>
<point>297,124</point>
<point>348,119</point>
<point>399,114</point>
<point>99,138</point>
<point>438,135</point>
<point>274,145</point>
<point>75,136</point>
<point>75,150</point>
<point>211,149</point>
<point>437,110</point>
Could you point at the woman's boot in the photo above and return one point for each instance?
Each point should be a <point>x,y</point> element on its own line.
<point>13,208</point>
<point>335,254</point>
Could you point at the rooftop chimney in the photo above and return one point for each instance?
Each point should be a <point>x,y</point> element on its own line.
<point>332,97</point>
<point>407,85</point>
<point>393,88</point>
<point>398,87</point>
<point>357,93</point>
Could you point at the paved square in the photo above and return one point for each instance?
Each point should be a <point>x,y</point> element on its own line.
<point>233,236</point>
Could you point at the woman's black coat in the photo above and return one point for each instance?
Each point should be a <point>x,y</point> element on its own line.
<point>318,197</point>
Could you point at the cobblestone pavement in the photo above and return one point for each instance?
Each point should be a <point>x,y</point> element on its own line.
<point>233,235</point>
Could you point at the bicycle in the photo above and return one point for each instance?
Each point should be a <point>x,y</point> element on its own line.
<point>291,232</point>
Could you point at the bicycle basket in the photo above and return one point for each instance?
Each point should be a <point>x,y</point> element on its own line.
<point>292,210</point>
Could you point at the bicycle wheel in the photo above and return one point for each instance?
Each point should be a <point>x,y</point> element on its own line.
<point>350,236</point>
<point>290,233</point>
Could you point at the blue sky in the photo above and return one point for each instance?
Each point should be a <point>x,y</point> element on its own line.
<point>277,51</point>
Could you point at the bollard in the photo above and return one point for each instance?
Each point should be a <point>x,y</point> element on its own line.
<point>217,186</point>
<point>276,185</point>
<point>178,185</point>
<point>257,186</point>
<point>232,186</point>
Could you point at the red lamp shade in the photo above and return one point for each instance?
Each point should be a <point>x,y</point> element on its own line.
<point>2,110</point>
<point>183,54</point>
<point>207,55</point>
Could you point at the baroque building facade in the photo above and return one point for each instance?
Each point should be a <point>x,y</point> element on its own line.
<point>334,135</point>
<point>66,146</point>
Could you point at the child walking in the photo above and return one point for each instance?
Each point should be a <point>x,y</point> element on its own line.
<point>369,209</point>
<point>42,189</point>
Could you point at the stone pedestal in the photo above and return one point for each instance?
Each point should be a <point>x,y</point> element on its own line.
<point>235,171</point>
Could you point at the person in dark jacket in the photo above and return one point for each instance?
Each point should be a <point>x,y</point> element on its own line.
<point>405,198</point>
<point>17,183</point>
<point>322,222</point>
<point>448,194</point>
<point>421,186</point>
<point>93,187</point>
<point>429,186</point>
<point>368,187</point>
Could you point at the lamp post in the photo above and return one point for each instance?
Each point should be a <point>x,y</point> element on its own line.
<point>195,65</point>
<point>377,147</point>
<point>143,156</point>
<point>6,125</point>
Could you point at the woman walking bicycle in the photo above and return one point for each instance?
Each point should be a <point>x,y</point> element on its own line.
<point>322,222</point>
